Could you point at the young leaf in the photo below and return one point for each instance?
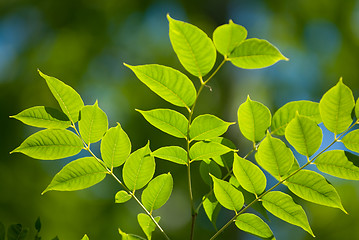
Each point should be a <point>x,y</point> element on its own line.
<point>313,187</point>
<point>168,83</point>
<point>255,53</point>
<point>227,195</point>
<point>285,114</point>
<point>304,135</point>
<point>351,141</point>
<point>282,206</point>
<point>115,147</point>
<point>50,144</point>
<point>249,175</point>
<point>207,126</point>
<point>274,156</point>
<point>139,168</point>
<point>336,107</point>
<point>228,36</point>
<point>93,123</point>
<point>126,236</point>
<point>209,168</point>
<point>17,232</point>
<point>211,207</point>
<point>147,225</point>
<point>122,196</point>
<point>157,192</point>
<point>79,174</point>
<point>193,47</point>
<point>253,119</point>
<point>338,164</point>
<point>205,150</point>
<point>168,121</point>
<point>172,153</point>
<point>85,237</point>
<point>253,224</point>
<point>69,100</point>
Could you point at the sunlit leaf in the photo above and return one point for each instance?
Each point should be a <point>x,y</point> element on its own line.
<point>126,236</point>
<point>351,141</point>
<point>357,109</point>
<point>85,237</point>
<point>282,206</point>
<point>193,47</point>
<point>17,232</point>
<point>253,224</point>
<point>76,175</point>
<point>209,168</point>
<point>211,207</point>
<point>147,225</point>
<point>253,119</point>
<point>204,150</point>
<point>255,53</point>
<point>50,144</point>
<point>225,160</point>
<point>172,153</point>
<point>336,107</point>
<point>122,196</point>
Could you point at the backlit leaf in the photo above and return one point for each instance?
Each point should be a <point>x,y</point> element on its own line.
<point>126,236</point>
<point>172,153</point>
<point>85,237</point>
<point>357,109</point>
<point>122,196</point>
<point>210,167</point>
<point>253,224</point>
<point>204,150</point>
<point>351,140</point>
<point>147,225</point>
<point>225,160</point>
<point>17,232</point>
<point>211,207</point>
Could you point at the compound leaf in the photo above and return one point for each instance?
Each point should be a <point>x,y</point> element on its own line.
<point>50,144</point>
<point>193,47</point>
<point>172,153</point>
<point>253,224</point>
<point>351,140</point>
<point>79,174</point>
<point>210,167</point>
<point>122,196</point>
<point>147,225</point>
<point>17,232</point>
<point>204,150</point>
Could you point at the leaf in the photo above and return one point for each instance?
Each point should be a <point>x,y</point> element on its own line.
<point>38,224</point>
<point>115,147</point>
<point>206,127</point>
<point>168,121</point>
<point>93,123</point>
<point>157,192</point>
<point>209,168</point>
<point>172,153</point>
<point>227,195</point>
<point>122,196</point>
<point>147,225</point>
<point>2,231</point>
<point>139,168</point>
<point>304,135</point>
<point>85,237</point>
<point>339,164</point>
<point>79,174</point>
<point>211,208</point>
<point>336,107</point>
<point>126,236</point>
<point>69,100</point>
<point>228,36</point>
<point>357,109</point>
<point>194,49</point>
<point>168,83</point>
<point>225,160</point>
<point>253,119</point>
<point>205,150</point>
<point>51,144</point>
<point>249,175</point>
<point>282,206</point>
<point>253,224</point>
<point>17,232</point>
<point>285,114</point>
<point>255,53</point>
<point>351,140</point>
<point>313,187</point>
<point>274,156</point>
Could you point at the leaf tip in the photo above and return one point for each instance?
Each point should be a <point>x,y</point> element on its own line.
<point>169,17</point>
<point>127,65</point>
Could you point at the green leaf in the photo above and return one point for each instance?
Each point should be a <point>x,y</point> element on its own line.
<point>168,83</point>
<point>357,109</point>
<point>122,196</point>
<point>115,147</point>
<point>351,140</point>
<point>79,174</point>
<point>168,121</point>
<point>274,156</point>
<point>336,107</point>
<point>253,119</point>
<point>253,224</point>
<point>93,123</point>
<point>17,232</point>
<point>206,127</point>
<point>211,208</point>
<point>249,175</point>
<point>205,150</point>
<point>139,168</point>
<point>228,36</point>
<point>69,100</point>
<point>85,237</point>
<point>255,53</point>
<point>157,192</point>
<point>339,164</point>
<point>147,225</point>
<point>43,117</point>
<point>50,144</point>
<point>193,47</point>
<point>172,153</point>
<point>304,135</point>
<point>126,236</point>
<point>225,160</point>
<point>313,187</point>
<point>227,195</point>
<point>285,114</point>
<point>209,168</point>
<point>282,206</point>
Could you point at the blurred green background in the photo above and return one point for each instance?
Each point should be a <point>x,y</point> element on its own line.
<point>85,42</point>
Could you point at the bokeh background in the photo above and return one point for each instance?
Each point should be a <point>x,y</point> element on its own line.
<point>85,42</point>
